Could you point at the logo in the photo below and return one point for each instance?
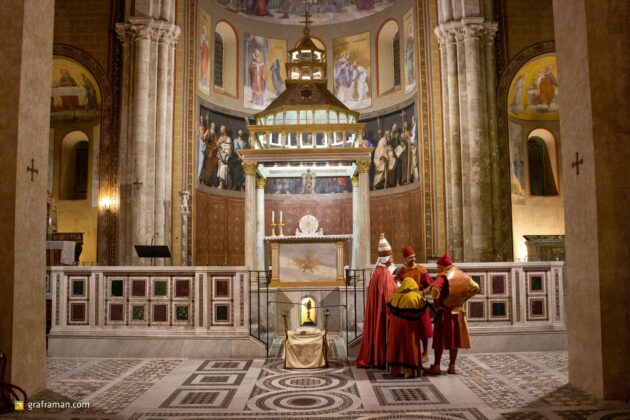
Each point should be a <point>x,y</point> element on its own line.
<point>19,405</point>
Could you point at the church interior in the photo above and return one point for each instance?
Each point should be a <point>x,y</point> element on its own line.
<point>196,193</point>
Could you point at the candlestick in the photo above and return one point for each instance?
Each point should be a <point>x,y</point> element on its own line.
<point>280,216</point>
<point>273,216</point>
<point>273,229</point>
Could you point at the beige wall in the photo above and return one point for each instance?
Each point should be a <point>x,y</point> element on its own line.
<point>528,22</point>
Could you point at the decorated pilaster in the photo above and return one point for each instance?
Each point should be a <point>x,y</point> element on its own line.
<point>355,222</point>
<point>469,130</point>
<point>146,134</point>
<point>260,223</point>
<point>364,213</point>
<point>250,168</point>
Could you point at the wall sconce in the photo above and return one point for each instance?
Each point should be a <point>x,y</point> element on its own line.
<point>107,204</point>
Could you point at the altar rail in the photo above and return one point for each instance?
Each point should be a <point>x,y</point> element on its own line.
<point>514,299</point>
<point>184,305</point>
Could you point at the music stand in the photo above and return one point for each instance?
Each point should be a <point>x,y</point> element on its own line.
<point>152,251</point>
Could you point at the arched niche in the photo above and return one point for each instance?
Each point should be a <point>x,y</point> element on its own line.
<point>388,57</point>
<point>542,163</point>
<point>81,110</point>
<point>227,64</point>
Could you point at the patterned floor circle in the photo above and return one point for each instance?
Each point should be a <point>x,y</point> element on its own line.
<point>315,402</point>
<point>302,381</point>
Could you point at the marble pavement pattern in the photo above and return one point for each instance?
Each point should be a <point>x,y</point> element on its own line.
<point>487,386</point>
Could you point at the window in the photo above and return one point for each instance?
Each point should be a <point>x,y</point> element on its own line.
<point>541,178</point>
<point>218,60</point>
<point>396,49</point>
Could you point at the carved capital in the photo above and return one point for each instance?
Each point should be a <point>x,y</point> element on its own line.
<point>491,31</point>
<point>124,34</point>
<point>355,181</point>
<point>363,165</point>
<point>260,182</point>
<point>444,35</point>
<point>169,34</point>
<point>250,168</point>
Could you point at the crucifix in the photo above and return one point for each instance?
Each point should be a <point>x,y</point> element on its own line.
<point>306,21</point>
<point>578,161</point>
<point>32,169</point>
<point>137,183</point>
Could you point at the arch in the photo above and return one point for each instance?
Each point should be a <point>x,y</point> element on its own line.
<point>387,57</point>
<point>228,70</point>
<point>308,313</point>
<point>74,165</point>
<point>107,164</point>
<point>542,163</point>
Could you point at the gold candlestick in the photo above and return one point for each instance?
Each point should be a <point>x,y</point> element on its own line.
<point>273,229</point>
<point>280,226</point>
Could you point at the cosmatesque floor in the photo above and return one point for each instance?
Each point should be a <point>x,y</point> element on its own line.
<point>487,386</point>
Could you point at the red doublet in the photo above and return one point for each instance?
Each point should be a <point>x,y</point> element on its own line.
<point>373,352</point>
<point>446,334</point>
<point>402,347</point>
<point>422,277</point>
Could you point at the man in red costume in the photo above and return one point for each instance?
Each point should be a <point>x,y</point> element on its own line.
<point>423,280</point>
<point>373,352</point>
<point>448,333</point>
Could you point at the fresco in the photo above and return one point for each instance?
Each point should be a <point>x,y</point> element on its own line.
<point>517,163</point>
<point>75,95</point>
<point>291,12</point>
<point>395,159</point>
<point>409,51</point>
<point>265,71</point>
<point>204,29</point>
<point>533,93</point>
<point>219,137</point>
<point>352,72</point>
<point>303,185</point>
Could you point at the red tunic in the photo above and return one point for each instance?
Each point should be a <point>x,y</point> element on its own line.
<point>446,334</point>
<point>423,278</point>
<point>373,352</point>
<point>402,345</point>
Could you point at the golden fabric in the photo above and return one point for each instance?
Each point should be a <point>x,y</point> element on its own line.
<point>464,337</point>
<point>460,287</point>
<point>304,350</point>
<point>408,295</point>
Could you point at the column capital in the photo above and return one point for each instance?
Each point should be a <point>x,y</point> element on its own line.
<point>490,30</point>
<point>168,33</point>
<point>472,30</point>
<point>260,182</point>
<point>250,168</point>
<point>355,181</point>
<point>444,35</point>
<point>363,165</point>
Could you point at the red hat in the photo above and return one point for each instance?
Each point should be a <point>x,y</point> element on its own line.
<point>444,260</point>
<point>408,252</point>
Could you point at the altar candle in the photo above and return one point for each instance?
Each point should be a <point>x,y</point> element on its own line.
<point>273,216</point>
<point>280,216</point>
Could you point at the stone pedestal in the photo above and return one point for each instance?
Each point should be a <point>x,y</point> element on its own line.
<point>26,66</point>
<point>592,44</point>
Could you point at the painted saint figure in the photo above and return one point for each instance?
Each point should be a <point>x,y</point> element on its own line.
<point>204,54</point>
<point>224,152</point>
<point>276,77</point>
<point>343,77</point>
<point>69,102</point>
<point>258,78</point>
<point>91,102</point>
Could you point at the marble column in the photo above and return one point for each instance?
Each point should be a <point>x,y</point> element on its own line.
<point>146,134</point>
<point>468,132</point>
<point>260,223</point>
<point>185,214</point>
<point>592,44</point>
<point>355,223</point>
<point>364,213</point>
<point>250,169</point>
<point>26,66</point>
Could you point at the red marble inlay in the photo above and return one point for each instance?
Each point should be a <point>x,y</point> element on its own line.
<point>222,288</point>
<point>182,288</point>
<point>139,288</point>
<point>537,307</point>
<point>77,312</point>
<point>476,309</point>
<point>498,285</point>
<point>116,312</point>
<point>159,313</point>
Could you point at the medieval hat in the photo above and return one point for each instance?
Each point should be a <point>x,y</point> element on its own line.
<point>444,261</point>
<point>384,249</point>
<point>408,252</point>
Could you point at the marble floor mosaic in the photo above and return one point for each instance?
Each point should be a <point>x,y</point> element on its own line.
<point>487,386</point>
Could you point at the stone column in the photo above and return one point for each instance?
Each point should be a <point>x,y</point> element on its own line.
<point>355,223</point>
<point>260,223</point>
<point>146,134</point>
<point>250,168</point>
<point>26,66</point>
<point>364,213</point>
<point>468,139</point>
<point>592,44</point>
<point>185,212</point>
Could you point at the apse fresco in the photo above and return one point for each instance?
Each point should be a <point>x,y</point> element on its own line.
<point>352,71</point>
<point>219,137</point>
<point>75,95</point>
<point>265,71</point>
<point>303,185</point>
<point>533,94</point>
<point>290,12</point>
<point>395,159</point>
<point>204,29</point>
<point>409,51</point>
<point>517,153</point>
